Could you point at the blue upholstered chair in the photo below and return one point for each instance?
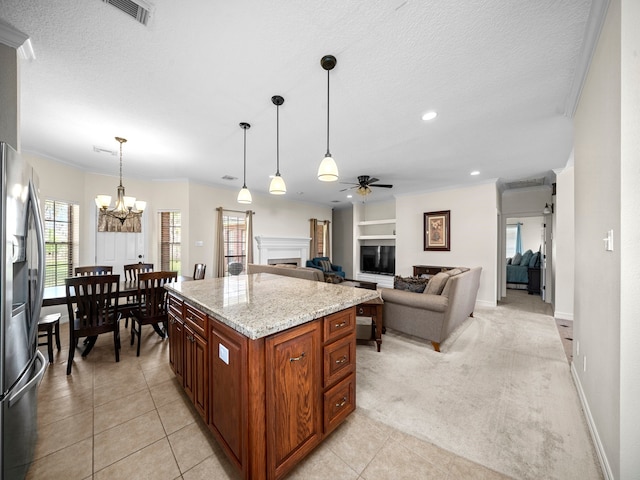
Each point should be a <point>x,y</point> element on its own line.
<point>324,264</point>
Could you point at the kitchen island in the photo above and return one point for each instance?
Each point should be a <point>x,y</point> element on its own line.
<point>268,361</point>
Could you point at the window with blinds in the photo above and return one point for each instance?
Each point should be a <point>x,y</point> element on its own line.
<point>235,238</point>
<point>170,239</point>
<point>61,233</point>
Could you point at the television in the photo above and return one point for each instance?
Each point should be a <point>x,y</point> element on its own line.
<point>379,259</point>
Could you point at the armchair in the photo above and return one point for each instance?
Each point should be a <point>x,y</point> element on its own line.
<point>324,264</point>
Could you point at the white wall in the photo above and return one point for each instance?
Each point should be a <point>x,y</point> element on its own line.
<point>274,215</point>
<point>564,242</point>
<point>474,233</point>
<point>342,241</point>
<point>607,159</point>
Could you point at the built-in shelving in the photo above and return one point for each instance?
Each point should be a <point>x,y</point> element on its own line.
<point>377,237</point>
<point>364,235</point>
<point>378,222</point>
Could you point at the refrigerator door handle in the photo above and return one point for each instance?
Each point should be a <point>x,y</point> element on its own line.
<point>35,205</point>
<point>13,399</point>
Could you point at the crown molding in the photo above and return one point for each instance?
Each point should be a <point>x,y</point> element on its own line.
<point>11,36</point>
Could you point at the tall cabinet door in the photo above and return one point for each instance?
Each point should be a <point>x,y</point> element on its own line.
<point>294,405</point>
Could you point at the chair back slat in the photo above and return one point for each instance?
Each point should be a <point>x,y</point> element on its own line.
<point>93,270</point>
<point>198,271</point>
<point>132,271</point>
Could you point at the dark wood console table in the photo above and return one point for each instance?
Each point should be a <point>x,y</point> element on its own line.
<point>428,270</point>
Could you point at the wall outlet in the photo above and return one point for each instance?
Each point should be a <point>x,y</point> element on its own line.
<point>584,363</point>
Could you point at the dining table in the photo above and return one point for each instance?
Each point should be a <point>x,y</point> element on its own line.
<point>57,295</point>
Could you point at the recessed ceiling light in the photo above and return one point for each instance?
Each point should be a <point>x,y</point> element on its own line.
<point>349,196</point>
<point>475,172</point>
<point>272,176</point>
<point>430,115</point>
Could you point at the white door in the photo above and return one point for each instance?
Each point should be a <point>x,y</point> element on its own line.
<point>118,249</point>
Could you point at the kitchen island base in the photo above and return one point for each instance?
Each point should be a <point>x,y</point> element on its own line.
<point>268,401</point>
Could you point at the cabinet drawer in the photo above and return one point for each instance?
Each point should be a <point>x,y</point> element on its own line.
<point>339,359</point>
<point>175,306</point>
<point>339,402</point>
<point>363,310</point>
<point>196,320</point>
<point>338,324</point>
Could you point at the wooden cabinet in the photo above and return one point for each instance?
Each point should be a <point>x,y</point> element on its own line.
<point>268,401</point>
<point>294,402</point>
<point>428,270</point>
<point>533,287</point>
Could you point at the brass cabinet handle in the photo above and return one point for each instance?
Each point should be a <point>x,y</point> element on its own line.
<point>340,325</point>
<point>295,359</point>
<point>342,360</point>
<point>342,403</point>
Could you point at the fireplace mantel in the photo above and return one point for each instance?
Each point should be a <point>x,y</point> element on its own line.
<point>272,248</point>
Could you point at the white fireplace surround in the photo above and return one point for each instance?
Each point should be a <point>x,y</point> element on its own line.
<point>287,248</point>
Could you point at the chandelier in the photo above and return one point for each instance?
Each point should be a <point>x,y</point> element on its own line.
<point>126,207</point>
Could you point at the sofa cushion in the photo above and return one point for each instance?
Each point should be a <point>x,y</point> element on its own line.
<point>410,284</point>
<point>325,264</point>
<point>437,283</point>
<point>535,258</point>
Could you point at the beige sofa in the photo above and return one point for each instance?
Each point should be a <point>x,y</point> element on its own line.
<point>447,301</point>
<point>287,270</point>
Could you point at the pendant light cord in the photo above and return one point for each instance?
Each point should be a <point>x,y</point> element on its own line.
<point>120,162</point>
<point>244,173</point>
<point>278,140</point>
<point>328,153</point>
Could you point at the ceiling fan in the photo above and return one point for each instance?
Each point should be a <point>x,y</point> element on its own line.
<point>364,184</point>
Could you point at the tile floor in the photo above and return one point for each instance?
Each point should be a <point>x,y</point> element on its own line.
<point>131,420</point>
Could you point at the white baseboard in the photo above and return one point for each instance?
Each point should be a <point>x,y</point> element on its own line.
<point>563,316</point>
<point>602,456</point>
<point>486,303</point>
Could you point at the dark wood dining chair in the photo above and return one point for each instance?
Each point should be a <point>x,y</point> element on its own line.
<point>198,271</point>
<point>131,273</point>
<point>152,304</point>
<point>93,270</point>
<point>92,302</point>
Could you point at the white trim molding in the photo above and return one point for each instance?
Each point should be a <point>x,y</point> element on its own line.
<point>602,455</point>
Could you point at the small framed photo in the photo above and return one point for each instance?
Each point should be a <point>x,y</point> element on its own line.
<point>437,230</point>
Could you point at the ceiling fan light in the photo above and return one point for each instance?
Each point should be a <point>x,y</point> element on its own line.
<point>328,170</point>
<point>244,196</point>
<point>277,186</point>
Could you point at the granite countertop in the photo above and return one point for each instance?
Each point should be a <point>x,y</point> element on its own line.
<point>262,304</point>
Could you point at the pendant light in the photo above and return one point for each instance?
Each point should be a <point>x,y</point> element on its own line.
<point>277,186</point>
<point>244,196</point>
<point>328,170</point>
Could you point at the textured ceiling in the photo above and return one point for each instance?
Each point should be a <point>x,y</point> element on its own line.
<point>501,75</point>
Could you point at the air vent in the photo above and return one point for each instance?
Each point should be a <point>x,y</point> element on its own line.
<point>532,182</point>
<point>229,177</point>
<point>105,150</point>
<point>133,9</point>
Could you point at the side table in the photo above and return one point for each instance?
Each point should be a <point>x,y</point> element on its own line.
<point>373,309</point>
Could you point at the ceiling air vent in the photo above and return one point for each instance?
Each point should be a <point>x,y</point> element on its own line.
<point>136,10</point>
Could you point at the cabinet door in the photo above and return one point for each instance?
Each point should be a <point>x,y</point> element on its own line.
<point>200,376</point>
<point>228,367</point>
<point>176,350</point>
<point>189,355</point>
<point>294,396</point>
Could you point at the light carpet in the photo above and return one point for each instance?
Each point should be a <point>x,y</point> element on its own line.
<point>499,394</point>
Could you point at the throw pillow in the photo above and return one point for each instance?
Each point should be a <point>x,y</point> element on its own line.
<point>410,284</point>
<point>526,256</point>
<point>437,283</point>
<point>534,260</point>
<point>509,261</point>
<point>325,264</point>
<point>516,259</point>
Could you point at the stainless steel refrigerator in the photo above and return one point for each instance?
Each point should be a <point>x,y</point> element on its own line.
<point>22,280</point>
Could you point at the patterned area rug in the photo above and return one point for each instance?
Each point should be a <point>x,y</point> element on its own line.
<point>499,394</point>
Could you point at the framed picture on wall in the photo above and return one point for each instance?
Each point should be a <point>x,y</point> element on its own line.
<point>437,230</point>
